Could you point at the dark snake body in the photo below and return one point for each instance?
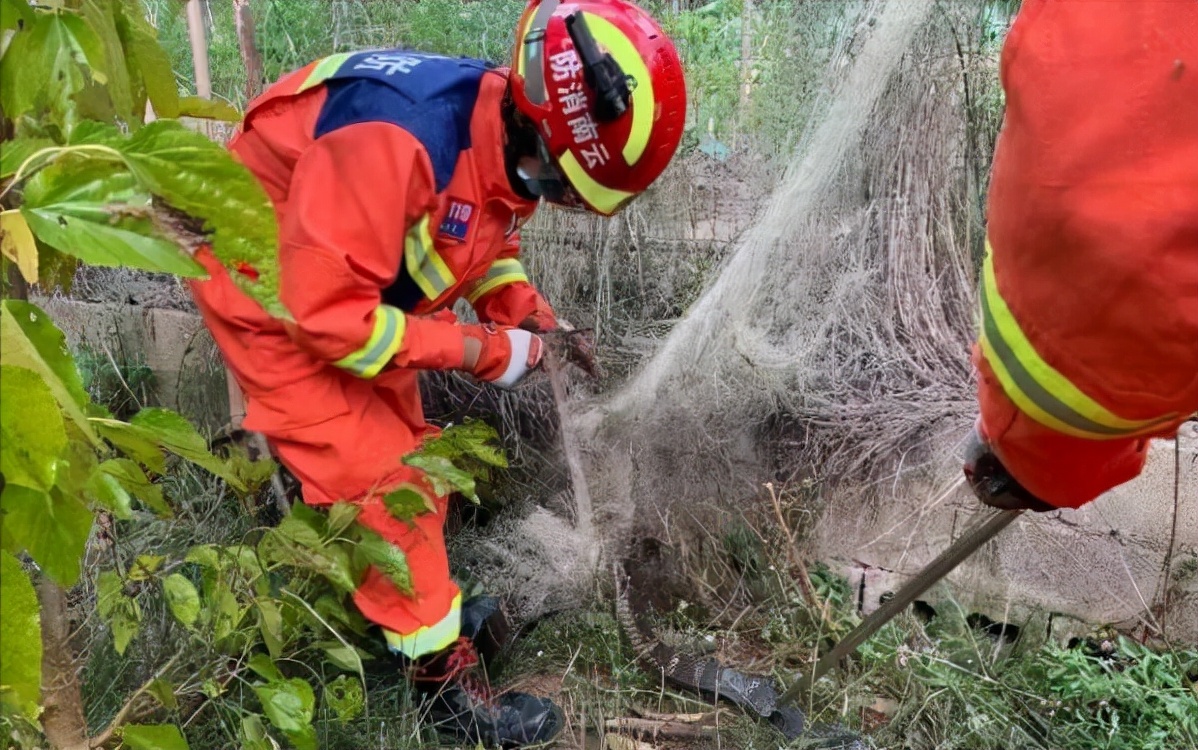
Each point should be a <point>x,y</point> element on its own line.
<point>707,676</point>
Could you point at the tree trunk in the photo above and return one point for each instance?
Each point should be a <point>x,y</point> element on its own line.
<point>244,19</point>
<point>62,720</point>
<point>199,48</point>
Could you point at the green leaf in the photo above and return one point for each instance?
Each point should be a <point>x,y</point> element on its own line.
<point>289,705</point>
<point>473,438</point>
<point>444,476</point>
<point>263,666</point>
<point>32,434</point>
<point>168,430</point>
<point>148,64</point>
<point>332,562</point>
<point>134,480</point>
<point>52,527</point>
<point>408,502</point>
<point>100,16</point>
<point>208,109</point>
<point>14,14</point>
<point>163,692</point>
<point>43,67</point>
<point>132,443</point>
<point>342,656</point>
<point>346,697</point>
<point>29,339</point>
<point>183,599</point>
<point>118,610</point>
<point>390,560</point>
<point>254,736</point>
<point>85,231</point>
<point>110,495</point>
<point>20,639</point>
<point>270,624</point>
<point>17,150</point>
<point>200,178</point>
<point>341,515</point>
<point>154,737</point>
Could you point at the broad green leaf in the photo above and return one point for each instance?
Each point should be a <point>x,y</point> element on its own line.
<point>148,64</point>
<point>168,430</point>
<point>100,16</point>
<point>289,705</point>
<point>85,231</point>
<point>443,474</point>
<point>29,339</point>
<point>154,737</point>
<point>32,434</point>
<point>270,624</point>
<point>20,639</point>
<point>182,597</point>
<point>52,527</point>
<point>17,244</point>
<point>200,178</point>
<point>473,438</point>
<point>341,515</point>
<point>295,530</point>
<point>44,66</point>
<point>226,612</point>
<point>15,152</point>
<point>132,443</point>
<point>145,566</point>
<point>118,610</point>
<point>79,181</point>
<point>406,503</point>
<point>163,692</point>
<point>263,666</point>
<point>208,109</point>
<point>254,736</point>
<point>341,656</point>
<point>95,133</point>
<point>346,697</point>
<point>331,562</point>
<point>110,495</point>
<point>14,14</point>
<point>390,560</point>
<point>133,479</point>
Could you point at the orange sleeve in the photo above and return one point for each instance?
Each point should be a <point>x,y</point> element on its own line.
<point>506,296</point>
<point>353,196</point>
<point>1060,469</point>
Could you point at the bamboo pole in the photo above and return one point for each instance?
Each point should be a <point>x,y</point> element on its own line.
<point>244,19</point>
<point>199,48</point>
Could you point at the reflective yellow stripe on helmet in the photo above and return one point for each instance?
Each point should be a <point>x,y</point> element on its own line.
<point>325,68</point>
<point>501,272</point>
<point>431,638</point>
<point>384,342</point>
<point>1035,386</point>
<point>630,61</point>
<point>424,263</point>
<point>603,199</point>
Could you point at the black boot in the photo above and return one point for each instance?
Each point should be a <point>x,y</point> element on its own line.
<point>459,699</point>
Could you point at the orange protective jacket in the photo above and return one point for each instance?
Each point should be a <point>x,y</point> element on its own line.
<point>1089,298</point>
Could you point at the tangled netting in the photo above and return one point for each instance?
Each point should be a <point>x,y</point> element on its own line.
<point>831,337</point>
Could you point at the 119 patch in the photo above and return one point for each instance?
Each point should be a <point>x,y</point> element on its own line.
<point>456,223</point>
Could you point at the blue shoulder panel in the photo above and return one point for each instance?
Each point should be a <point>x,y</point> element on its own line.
<point>429,96</point>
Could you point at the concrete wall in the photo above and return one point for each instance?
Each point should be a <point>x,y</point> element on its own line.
<point>1103,563</point>
<point>189,374</point>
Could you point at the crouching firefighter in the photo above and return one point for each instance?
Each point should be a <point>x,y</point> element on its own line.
<point>1089,293</point>
<point>400,181</point>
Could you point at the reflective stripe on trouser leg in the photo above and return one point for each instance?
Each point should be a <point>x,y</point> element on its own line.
<point>429,639</point>
<point>1035,386</point>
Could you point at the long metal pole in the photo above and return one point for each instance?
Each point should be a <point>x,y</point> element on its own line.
<point>966,545</point>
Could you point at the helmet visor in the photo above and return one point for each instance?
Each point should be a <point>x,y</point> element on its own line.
<point>547,181</point>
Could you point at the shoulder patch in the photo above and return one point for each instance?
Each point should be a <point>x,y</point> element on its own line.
<point>456,224</point>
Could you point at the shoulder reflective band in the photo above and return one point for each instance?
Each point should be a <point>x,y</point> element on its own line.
<point>1038,389</point>
<point>501,272</point>
<point>429,639</point>
<point>424,264</point>
<point>322,69</point>
<point>384,342</point>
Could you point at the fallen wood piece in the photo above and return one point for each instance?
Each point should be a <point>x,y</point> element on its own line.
<point>620,742</point>
<point>667,729</point>
<point>708,716</point>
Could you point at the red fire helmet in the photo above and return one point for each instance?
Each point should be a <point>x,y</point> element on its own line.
<point>604,86</point>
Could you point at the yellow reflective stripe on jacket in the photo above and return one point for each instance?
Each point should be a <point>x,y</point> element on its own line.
<point>424,264</point>
<point>323,69</point>
<point>1035,386</point>
<point>429,639</point>
<point>384,341</point>
<point>501,272</point>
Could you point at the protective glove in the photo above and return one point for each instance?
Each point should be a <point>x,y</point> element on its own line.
<point>500,355</point>
<point>992,483</point>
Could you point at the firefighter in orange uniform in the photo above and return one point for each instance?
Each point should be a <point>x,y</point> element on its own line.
<point>400,181</point>
<point>1089,293</point>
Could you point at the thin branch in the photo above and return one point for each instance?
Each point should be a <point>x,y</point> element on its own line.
<point>123,715</point>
